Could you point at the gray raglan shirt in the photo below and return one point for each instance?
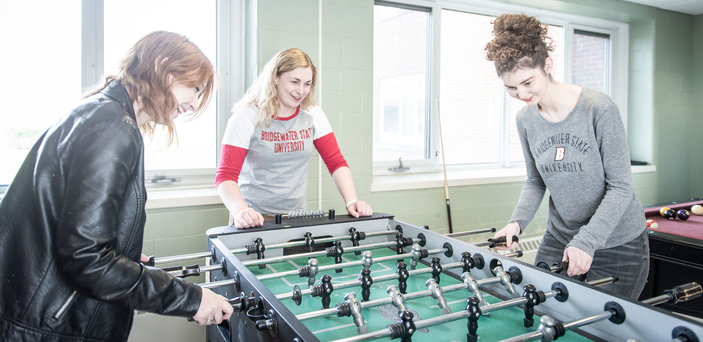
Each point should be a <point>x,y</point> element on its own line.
<point>584,162</point>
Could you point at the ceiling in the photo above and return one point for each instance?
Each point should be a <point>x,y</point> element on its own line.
<point>693,7</point>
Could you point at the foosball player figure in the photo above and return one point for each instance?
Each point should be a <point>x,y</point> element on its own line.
<point>471,262</point>
<point>401,242</point>
<point>324,290</point>
<point>474,313</point>
<point>310,242</point>
<point>258,248</point>
<point>397,298</point>
<point>309,270</point>
<point>436,269</point>
<point>533,298</point>
<point>405,328</point>
<point>336,251</point>
<point>418,253</point>
<point>354,237</point>
<point>366,282</point>
<point>403,275</point>
<point>438,295</point>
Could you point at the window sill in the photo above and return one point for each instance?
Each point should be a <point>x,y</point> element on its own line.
<point>461,178</point>
<point>176,197</point>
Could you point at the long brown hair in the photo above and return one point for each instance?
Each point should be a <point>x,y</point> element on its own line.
<point>519,41</point>
<point>263,93</point>
<point>153,65</point>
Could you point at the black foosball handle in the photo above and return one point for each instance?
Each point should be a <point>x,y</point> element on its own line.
<point>564,266</point>
<point>501,241</point>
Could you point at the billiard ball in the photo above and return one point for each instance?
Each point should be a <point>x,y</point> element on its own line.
<point>697,209</point>
<point>652,224</point>
<point>683,214</point>
<point>670,214</point>
<point>663,210</point>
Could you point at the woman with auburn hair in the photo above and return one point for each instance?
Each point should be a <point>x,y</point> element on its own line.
<point>268,143</point>
<point>575,146</point>
<point>73,218</point>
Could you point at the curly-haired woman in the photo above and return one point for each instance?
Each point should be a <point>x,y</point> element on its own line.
<point>575,146</point>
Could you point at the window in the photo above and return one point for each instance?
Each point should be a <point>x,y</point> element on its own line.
<point>196,146</point>
<point>70,47</point>
<point>41,77</point>
<point>591,60</point>
<point>477,114</point>
<point>400,83</point>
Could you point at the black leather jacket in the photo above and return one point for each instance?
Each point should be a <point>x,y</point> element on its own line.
<point>71,229</point>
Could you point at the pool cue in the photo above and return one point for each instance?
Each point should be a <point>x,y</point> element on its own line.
<point>444,168</point>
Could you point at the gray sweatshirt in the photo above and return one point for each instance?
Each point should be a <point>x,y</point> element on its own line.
<point>584,162</point>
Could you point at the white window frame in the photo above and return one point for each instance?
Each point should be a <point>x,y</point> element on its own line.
<point>618,71</point>
<point>231,28</point>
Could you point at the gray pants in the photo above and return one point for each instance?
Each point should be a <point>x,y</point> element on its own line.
<point>629,262</point>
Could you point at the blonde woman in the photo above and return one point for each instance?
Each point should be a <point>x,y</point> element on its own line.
<point>269,140</point>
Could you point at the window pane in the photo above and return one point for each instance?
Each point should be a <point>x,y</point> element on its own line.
<point>44,38</point>
<point>590,67</point>
<point>400,83</point>
<point>470,97</point>
<point>197,139</point>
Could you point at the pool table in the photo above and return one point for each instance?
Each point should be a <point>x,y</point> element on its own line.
<point>676,251</point>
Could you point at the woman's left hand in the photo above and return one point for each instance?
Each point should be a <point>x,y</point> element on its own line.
<point>359,208</point>
<point>579,261</point>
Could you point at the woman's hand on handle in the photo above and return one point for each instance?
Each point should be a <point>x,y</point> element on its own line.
<point>213,309</point>
<point>579,261</point>
<point>511,229</point>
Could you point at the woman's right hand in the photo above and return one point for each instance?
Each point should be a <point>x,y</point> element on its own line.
<point>246,218</point>
<point>213,309</point>
<point>511,229</point>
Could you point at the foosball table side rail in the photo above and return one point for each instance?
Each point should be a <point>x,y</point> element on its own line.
<point>643,322</point>
<point>245,322</point>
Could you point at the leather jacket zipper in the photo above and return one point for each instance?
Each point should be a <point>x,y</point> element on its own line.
<point>65,305</point>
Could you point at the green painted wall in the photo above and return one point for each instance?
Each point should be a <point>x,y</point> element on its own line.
<point>666,58</point>
<point>695,143</point>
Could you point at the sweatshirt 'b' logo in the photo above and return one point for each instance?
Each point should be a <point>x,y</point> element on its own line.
<point>560,154</point>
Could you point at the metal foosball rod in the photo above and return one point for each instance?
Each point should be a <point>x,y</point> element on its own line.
<point>352,306</point>
<point>397,330</point>
<point>324,289</point>
<point>336,251</point>
<point>323,253</point>
<point>196,270</point>
<point>199,255</point>
<point>349,264</point>
<point>471,232</point>
<point>467,263</point>
<point>677,294</point>
<point>355,236</point>
<point>408,296</point>
<point>551,329</point>
<point>468,259</point>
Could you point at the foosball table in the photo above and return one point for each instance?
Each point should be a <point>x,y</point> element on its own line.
<point>337,278</point>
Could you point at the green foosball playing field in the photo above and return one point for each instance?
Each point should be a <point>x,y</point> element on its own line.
<point>497,325</point>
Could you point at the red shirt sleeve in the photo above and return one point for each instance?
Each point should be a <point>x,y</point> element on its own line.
<point>330,153</point>
<point>231,161</point>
